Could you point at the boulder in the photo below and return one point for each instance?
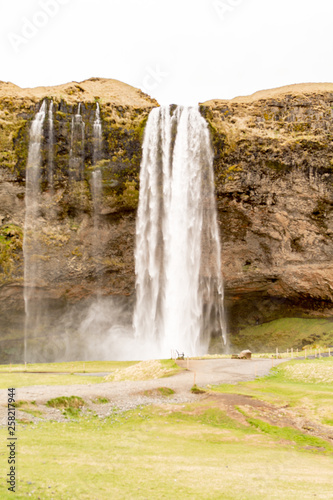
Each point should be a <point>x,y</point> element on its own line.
<point>245,354</point>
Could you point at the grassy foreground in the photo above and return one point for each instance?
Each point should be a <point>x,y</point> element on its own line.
<point>202,450</point>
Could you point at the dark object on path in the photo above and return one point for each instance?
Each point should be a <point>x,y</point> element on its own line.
<point>242,355</point>
<point>180,355</point>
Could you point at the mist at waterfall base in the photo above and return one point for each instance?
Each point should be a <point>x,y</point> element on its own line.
<point>179,289</point>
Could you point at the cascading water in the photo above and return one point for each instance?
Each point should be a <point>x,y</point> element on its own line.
<point>96,192</point>
<point>177,258</point>
<point>96,189</point>
<point>32,222</point>
<point>50,146</point>
<point>76,156</point>
<point>97,130</point>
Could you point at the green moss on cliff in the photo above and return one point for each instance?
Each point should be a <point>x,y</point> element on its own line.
<point>10,126</point>
<point>11,241</point>
<point>141,128</point>
<point>130,196</point>
<point>285,333</point>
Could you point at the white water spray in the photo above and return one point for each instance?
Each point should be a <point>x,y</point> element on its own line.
<point>178,271</point>
<point>31,224</point>
<point>97,130</point>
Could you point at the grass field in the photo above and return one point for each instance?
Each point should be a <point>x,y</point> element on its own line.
<point>285,333</point>
<point>55,373</point>
<point>68,367</point>
<point>202,450</point>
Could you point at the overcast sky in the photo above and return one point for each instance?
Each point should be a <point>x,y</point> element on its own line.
<point>178,51</point>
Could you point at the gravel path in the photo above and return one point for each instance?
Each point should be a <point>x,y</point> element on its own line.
<point>127,395</point>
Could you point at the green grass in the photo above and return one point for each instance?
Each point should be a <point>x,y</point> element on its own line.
<point>69,367</point>
<point>28,379</point>
<point>290,434</point>
<point>21,403</point>
<point>171,367</point>
<point>192,451</point>
<point>196,390</point>
<point>63,373</point>
<point>34,413</point>
<point>57,373</point>
<point>285,333</point>
<point>145,370</point>
<point>152,453</point>
<point>66,402</point>
<point>208,415</point>
<point>281,387</point>
<point>28,407</point>
<point>189,451</point>
<point>161,391</point>
<point>71,406</point>
<point>100,401</point>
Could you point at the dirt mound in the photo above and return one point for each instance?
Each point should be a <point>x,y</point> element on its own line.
<point>108,90</point>
<point>300,89</point>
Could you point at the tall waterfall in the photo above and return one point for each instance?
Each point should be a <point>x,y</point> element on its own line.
<point>96,191</point>
<point>32,223</point>
<point>50,146</point>
<point>76,156</point>
<point>97,130</point>
<point>178,271</point>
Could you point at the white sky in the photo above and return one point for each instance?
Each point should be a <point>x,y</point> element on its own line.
<point>198,50</point>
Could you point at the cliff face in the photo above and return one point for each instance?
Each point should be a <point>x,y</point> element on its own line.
<point>71,245</point>
<point>273,173</point>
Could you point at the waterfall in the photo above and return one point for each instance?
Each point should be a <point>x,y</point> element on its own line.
<point>177,258</point>
<point>97,130</point>
<point>76,156</point>
<point>50,147</point>
<point>96,191</point>
<point>32,223</point>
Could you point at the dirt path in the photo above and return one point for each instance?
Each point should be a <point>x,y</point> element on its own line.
<point>126,395</point>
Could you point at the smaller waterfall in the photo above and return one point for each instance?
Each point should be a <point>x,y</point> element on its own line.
<point>97,129</point>
<point>50,147</point>
<point>76,156</point>
<point>32,223</point>
<point>96,190</point>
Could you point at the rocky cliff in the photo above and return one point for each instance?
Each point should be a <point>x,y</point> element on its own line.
<point>273,172</point>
